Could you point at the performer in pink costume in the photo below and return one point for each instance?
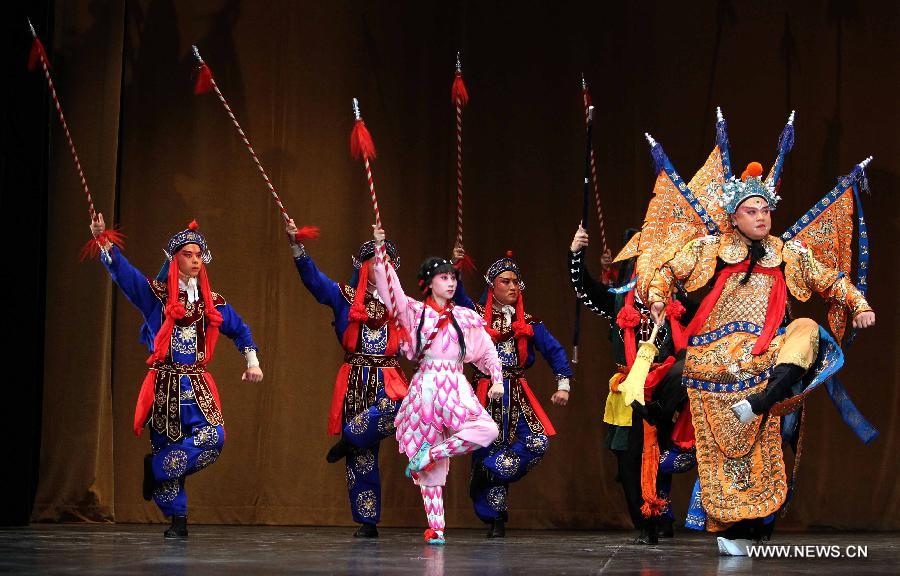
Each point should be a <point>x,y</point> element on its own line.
<point>440,417</point>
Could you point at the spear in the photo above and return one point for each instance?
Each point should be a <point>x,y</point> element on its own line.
<point>586,97</point>
<point>460,97</point>
<point>94,245</point>
<point>363,148</point>
<point>586,192</point>
<point>206,82</point>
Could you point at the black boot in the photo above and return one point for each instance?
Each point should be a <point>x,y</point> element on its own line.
<point>178,529</point>
<point>497,529</point>
<point>366,531</point>
<point>666,528</point>
<point>149,484</point>
<point>339,451</point>
<point>783,377</point>
<point>648,533</point>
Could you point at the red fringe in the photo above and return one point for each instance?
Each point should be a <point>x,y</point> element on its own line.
<point>307,233</point>
<point>36,54</point>
<point>466,264</point>
<point>395,385</point>
<point>92,248</point>
<point>337,399</point>
<point>173,310</point>
<point>204,81</point>
<point>458,91</point>
<point>653,504</point>
<point>213,316</point>
<point>587,98</point>
<point>357,313</point>
<point>361,145</point>
<point>538,410</point>
<point>144,402</point>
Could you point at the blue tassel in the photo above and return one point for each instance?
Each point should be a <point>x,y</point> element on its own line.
<point>859,175</point>
<point>722,135</point>
<point>659,158</point>
<point>786,140</point>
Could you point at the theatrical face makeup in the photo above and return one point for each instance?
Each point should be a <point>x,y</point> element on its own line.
<point>189,260</point>
<point>506,288</point>
<point>753,218</point>
<point>444,285</point>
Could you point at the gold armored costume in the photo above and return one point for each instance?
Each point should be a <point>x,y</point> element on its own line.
<point>739,334</point>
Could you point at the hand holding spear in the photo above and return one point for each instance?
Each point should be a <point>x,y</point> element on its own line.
<point>460,97</point>
<point>363,148</point>
<point>206,82</point>
<point>102,237</point>
<point>584,219</point>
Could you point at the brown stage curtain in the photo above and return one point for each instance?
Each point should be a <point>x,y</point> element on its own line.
<point>289,70</point>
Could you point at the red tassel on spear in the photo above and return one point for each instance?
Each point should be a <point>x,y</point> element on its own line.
<point>459,96</point>
<point>114,236</point>
<point>204,83</point>
<point>363,148</point>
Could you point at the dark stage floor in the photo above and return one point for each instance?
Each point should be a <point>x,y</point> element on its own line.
<point>140,549</point>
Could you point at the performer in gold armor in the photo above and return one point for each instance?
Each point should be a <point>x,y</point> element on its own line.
<point>748,362</point>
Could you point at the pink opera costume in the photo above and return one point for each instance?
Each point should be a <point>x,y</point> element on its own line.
<point>440,417</point>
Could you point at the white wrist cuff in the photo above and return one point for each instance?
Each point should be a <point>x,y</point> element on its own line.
<point>563,384</point>
<point>298,250</point>
<point>252,360</point>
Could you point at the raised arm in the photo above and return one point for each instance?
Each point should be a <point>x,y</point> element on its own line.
<point>399,298</point>
<point>132,281</point>
<point>595,295</point>
<point>325,290</point>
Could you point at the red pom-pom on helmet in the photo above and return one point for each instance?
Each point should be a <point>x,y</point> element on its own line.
<point>509,253</point>
<point>754,169</point>
<point>193,225</point>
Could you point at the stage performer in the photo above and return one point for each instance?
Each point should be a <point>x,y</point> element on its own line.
<point>179,400</point>
<point>370,382</point>
<point>657,435</point>
<point>440,417</point>
<point>525,429</point>
<point>749,364</point>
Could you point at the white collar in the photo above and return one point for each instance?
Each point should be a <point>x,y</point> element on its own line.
<point>506,310</point>
<point>193,294</point>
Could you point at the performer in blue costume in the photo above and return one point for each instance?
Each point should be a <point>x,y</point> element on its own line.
<point>179,399</point>
<point>524,426</point>
<point>369,384</point>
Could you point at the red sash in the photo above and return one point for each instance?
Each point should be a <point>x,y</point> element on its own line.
<point>774,312</point>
